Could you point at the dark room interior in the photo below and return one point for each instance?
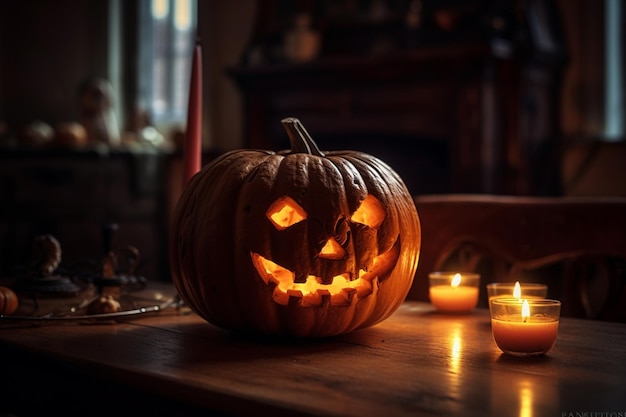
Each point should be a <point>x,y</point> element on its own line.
<point>504,119</point>
<point>492,97</point>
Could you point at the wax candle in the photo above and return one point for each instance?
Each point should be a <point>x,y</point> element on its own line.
<point>524,327</point>
<point>192,150</point>
<point>454,292</point>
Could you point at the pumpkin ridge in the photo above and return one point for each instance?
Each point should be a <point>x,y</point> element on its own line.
<point>375,183</point>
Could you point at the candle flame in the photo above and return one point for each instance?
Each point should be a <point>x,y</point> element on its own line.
<point>517,290</point>
<point>456,280</point>
<point>525,310</point>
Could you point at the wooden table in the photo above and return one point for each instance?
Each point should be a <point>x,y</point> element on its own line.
<point>416,363</point>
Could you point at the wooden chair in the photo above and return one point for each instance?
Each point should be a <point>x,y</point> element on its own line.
<point>575,245</point>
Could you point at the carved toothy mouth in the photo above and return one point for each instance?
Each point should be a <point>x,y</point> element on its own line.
<point>341,292</point>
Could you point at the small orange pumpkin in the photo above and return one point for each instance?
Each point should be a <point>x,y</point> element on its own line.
<point>299,242</point>
<point>8,301</point>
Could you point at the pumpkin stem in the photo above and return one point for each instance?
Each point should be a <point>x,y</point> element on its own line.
<point>301,141</point>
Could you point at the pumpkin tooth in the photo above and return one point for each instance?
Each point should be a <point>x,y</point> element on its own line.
<point>365,288</point>
<point>300,279</point>
<point>311,290</point>
<point>327,280</point>
<point>294,293</point>
<point>343,298</point>
<point>365,275</point>
<point>326,300</point>
<point>313,299</point>
<point>280,297</point>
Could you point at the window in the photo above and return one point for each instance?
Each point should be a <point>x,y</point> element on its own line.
<point>167,31</point>
<point>613,97</point>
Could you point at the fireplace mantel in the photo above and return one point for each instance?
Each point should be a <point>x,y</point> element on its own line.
<point>477,115</point>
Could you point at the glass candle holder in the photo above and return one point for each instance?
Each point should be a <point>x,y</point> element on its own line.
<point>454,292</point>
<point>507,290</point>
<point>524,327</point>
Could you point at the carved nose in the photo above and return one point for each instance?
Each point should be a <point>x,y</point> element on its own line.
<point>332,250</point>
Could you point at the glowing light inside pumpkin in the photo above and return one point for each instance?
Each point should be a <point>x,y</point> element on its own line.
<point>341,290</point>
<point>456,280</point>
<point>332,250</point>
<point>285,212</point>
<point>370,213</point>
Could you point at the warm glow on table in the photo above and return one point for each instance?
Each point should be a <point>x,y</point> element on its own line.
<point>523,332</point>
<point>453,295</point>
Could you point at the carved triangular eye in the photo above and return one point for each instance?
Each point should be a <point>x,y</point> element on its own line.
<point>285,212</point>
<point>370,213</point>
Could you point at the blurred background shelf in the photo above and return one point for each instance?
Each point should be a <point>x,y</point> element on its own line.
<point>75,195</point>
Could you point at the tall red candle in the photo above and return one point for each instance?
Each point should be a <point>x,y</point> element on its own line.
<point>192,151</point>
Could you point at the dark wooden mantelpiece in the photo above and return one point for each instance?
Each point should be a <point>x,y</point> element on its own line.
<point>475,115</point>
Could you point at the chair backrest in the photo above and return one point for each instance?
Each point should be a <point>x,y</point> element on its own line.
<point>575,245</point>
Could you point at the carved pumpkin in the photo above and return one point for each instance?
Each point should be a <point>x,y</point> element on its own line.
<point>9,301</point>
<point>299,242</point>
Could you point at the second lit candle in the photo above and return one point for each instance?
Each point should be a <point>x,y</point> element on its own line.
<point>454,292</point>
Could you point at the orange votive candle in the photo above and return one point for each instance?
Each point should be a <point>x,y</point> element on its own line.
<point>454,292</point>
<point>525,327</point>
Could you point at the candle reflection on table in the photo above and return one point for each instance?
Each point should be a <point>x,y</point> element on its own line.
<point>455,345</point>
<point>525,399</point>
<point>455,374</point>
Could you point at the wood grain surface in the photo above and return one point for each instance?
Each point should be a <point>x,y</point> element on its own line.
<point>416,363</point>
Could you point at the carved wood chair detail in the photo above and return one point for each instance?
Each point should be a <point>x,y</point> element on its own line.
<point>576,246</point>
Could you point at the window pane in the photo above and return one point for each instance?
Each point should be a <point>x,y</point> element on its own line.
<point>614,100</point>
<point>167,38</point>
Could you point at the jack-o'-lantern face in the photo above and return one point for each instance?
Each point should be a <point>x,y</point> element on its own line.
<point>300,242</point>
<point>339,265</point>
